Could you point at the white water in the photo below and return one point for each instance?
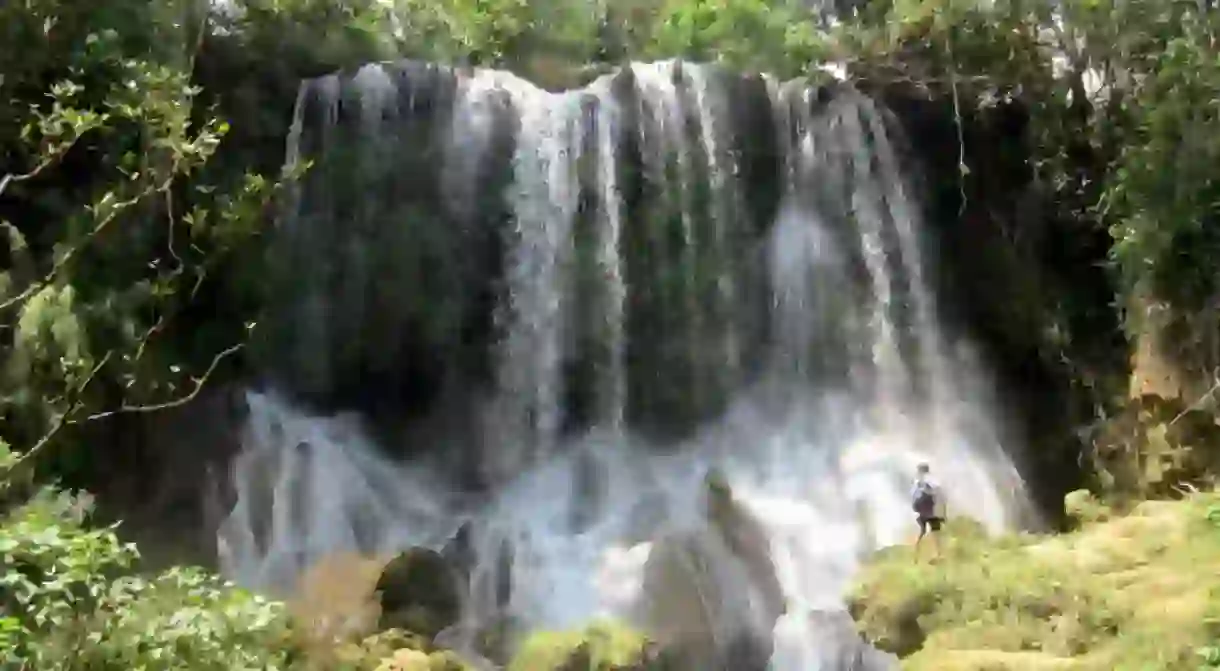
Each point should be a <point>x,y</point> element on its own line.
<point>823,504</point>
<point>824,464</point>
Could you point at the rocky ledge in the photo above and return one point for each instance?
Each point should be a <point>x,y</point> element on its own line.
<point>1133,591</point>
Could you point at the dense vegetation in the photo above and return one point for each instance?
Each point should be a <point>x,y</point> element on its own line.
<point>140,153</point>
<point>1135,591</point>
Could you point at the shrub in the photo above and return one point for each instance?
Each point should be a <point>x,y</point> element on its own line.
<point>72,601</point>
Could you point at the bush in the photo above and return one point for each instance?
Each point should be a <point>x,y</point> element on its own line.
<point>71,601</point>
<point>602,646</point>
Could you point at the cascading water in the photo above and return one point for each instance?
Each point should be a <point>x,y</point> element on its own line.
<point>688,271</point>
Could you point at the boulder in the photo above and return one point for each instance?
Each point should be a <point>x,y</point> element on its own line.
<point>459,551</point>
<point>419,592</point>
<point>748,541</point>
<point>393,650</point>
<point>712,595</point>
<point>408,659</point>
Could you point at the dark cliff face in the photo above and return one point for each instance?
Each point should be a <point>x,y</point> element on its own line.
<point>165,474</point>
<point>391,274</point>
<point>1015,275</point>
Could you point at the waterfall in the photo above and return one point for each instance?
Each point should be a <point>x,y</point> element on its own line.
<point>672,271</point>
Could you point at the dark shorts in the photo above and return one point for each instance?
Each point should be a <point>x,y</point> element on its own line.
<point>933,523</point>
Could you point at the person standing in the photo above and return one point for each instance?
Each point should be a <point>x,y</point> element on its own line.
<point>927,500</point>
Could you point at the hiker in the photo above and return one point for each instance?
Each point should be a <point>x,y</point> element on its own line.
<point>927,500</point>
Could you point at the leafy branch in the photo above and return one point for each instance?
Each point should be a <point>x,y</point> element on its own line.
<point>198,384</point>
<point>152,105</point>
<point>17,467</point>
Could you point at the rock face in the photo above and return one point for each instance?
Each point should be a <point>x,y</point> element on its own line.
<point>747,540</point>
<point>419,593</point>
<point>167,484</point>
<point>713,596</point>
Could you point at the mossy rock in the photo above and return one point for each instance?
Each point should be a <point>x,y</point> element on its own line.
<point>386,643</point>
<point>1083,508</point>
<point>892,625</point>
<point>395,650</point>
<point>603,646</point>
<point>418,660</point>
<point>419,593</point>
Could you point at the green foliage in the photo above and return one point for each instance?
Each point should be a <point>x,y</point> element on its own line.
<point>1165,189</point>
<point>602,646</point>
<point>71,602</point>
<point>113,230</point>
<point>1131,592</point>
<point>1153,448</point>
<point>774,37</point>
<point>75,597</point>
<point>482,32</point>
<point>1124,118</point>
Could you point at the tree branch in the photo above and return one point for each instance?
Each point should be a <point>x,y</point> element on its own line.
<point>72,252</point>
<point>1201,400</point>
<point>47,161</point>
<point>199,382</point>
<point>8,473</point>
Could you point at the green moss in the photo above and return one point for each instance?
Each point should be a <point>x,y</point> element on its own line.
<point>603,646</point>
<point>1135,592</point>
<point>392,650</point>
<point>1083,508</point>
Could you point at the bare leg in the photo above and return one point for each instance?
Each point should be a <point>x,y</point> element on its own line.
<point>923,530</point>
<point>935,534</point>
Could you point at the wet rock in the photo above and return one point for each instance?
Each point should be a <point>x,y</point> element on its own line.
<point>712,596</point>
<point>419,592</point>
<point>504,573</point>
<point>700,608</point>
<point>459,551</point>
<point>464,558</point>
<point>897,629</point>
<point>495,639</point>
<point>747,540</point>
<point>839,646</point>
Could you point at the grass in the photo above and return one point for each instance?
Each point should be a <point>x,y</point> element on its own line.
<point>1132,593</point>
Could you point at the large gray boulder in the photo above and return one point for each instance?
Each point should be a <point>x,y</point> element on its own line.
<point>712,596</point>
